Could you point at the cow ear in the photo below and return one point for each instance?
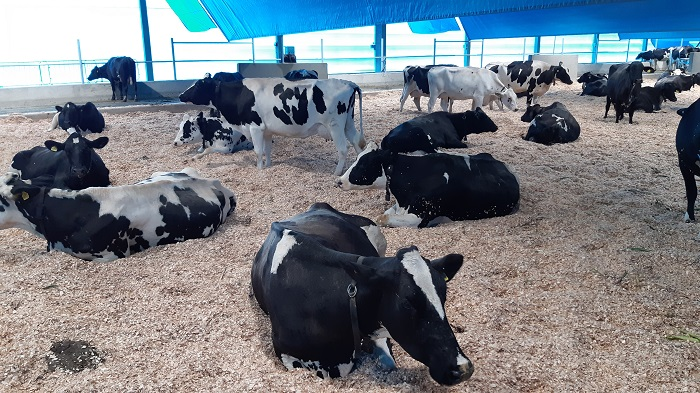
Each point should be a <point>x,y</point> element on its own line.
<point>54,146</point>
<point>98,143</point>
<point>23,191</point>
<point>58,108</point>
<point>448,265</point>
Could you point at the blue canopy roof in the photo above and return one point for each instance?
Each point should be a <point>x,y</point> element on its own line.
<point>480,19</point>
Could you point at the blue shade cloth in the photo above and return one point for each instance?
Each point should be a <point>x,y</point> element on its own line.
<point>239,19</point>
<point>434,26</point>
<point>192,15</point>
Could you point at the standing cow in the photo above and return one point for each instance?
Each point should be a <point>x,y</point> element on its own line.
<point>531,78</point>
<point>262,107</point>
<point>81,118</point>
<point>688,148</point>
<point>462,83</point>
<point>415,84</point>
<point>120,72</point>
<point>621,87</point>
<point>327,287</point>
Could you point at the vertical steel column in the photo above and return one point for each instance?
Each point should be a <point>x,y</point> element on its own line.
<point>172,49</point>
<point>279,48</point>
<point>379,48</point>
<point>467,50</point>
<point>536,48</point>
<point>80,60</point>
<point>146,41</point>
<point>595,45</point>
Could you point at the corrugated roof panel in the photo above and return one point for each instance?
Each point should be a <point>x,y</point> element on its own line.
<point>192,15</point>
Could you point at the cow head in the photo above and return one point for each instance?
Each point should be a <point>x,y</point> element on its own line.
<point>13,189</point>
<point>411,294</point>
<point>68,116</point>
<point>562,74</point>
<point>531,112</point>
<point>508,98</point>
<point>367,172</point>
<point>189,130</point>
<point>79,151</point>
<point>98,72</point>
<point>201,92</point>
<point>472,122</point>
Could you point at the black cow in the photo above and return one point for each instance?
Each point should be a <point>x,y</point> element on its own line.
<point>671,84</point>
<point>550,124</point>
<point>620,83</point>
<point>296,75</point>
<point>81,118</point>
<point>593,84</point>
<point>227,76</point>
<point>647,99</point>
<point>106,223</point>
<point>120,72</point>
<point>688,148</point>
<point>326,289</point>
<point>72,165</point>
<point>415,84</point>
<point>655,54</point>
<point>435,188</point>
<point>437,129</point>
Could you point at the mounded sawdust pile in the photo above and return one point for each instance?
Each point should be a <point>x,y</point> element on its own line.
<point>577,291</point>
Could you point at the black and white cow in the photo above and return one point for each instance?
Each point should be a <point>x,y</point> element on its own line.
<point>654,54</point>
<point>120,72</point>
<point>550,124</point>
<point>463,83</point>
<point>434,188</point>
<point>593,84</point>
<point>81,118</point>
<point>223,76</point>
<point>216,136</point>
<point>106,223</point>
<point>327,289</point>
<point>73,164</point>
<point>531,78</point>
<point>262,107</point>
<point>688,148</point>
<point>621,81</point>
<point>415,84</point>
<point>438,129</point>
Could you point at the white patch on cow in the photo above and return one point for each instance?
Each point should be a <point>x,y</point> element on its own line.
<point>343,368</point>
<point>397,216</point>
<point>416,267</point>
<point>54,122</point>
<point>561,122</point>
<point>447,177</point>
<point>76,140</point>
<point>466,159</point>
<point>461,360</point>
<point>283,246</point>
<point>344,180</point>
<point>376,237</point>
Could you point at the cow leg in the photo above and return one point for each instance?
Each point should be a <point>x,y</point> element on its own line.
<point>443,104</point>
<point>267,143</point>
<point>124,85</point>
<point>431,102</point>
<point>477,101</point>
<point>256,135</point>
<point>607,106</point>
<point>416,100</point>
<point>342,146</point>
<point>397,216</point>
<point>691,190</point>
<point>631,114</point>
<point>134,83</point>
<point>451,101</point>
<point>114,87</point>
<point>404,97</point>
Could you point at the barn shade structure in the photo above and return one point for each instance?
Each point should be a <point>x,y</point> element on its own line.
<point>480,19</point>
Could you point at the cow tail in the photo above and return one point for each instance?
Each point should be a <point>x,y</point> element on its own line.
<point>357,89</point>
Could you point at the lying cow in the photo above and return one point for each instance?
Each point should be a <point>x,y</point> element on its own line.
<point>120,72</point>
<point>435,188</point>
<point>438,129</point>
<point>223,76</point>
<point>462,83</point>
<point>326,288</point>
<point>216,136</point>
<point>672,84</point>
<point>106,223</point>
<point>647,99</point>
<point>415,84</point>
<point>295,75</point>
<point>550,124</point>
<point>262,107</point>
<point>655,54</point>
<point>688,148</point>
<point>531,78</point>
<point>593,84</point>
<point>73,164</point>
<point>81,118</point>
<point>621,82</point>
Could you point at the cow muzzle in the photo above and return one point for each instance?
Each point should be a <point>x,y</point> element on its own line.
<point>456,374</point>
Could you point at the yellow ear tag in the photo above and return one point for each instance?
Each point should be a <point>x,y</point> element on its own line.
<point>25,196</point>
<point>447,278</point>
<point>53,148</point>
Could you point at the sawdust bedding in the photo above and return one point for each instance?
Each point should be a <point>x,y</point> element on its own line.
<point>577,291</point>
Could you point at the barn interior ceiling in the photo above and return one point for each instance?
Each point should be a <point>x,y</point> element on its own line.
<point>480,19</point>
